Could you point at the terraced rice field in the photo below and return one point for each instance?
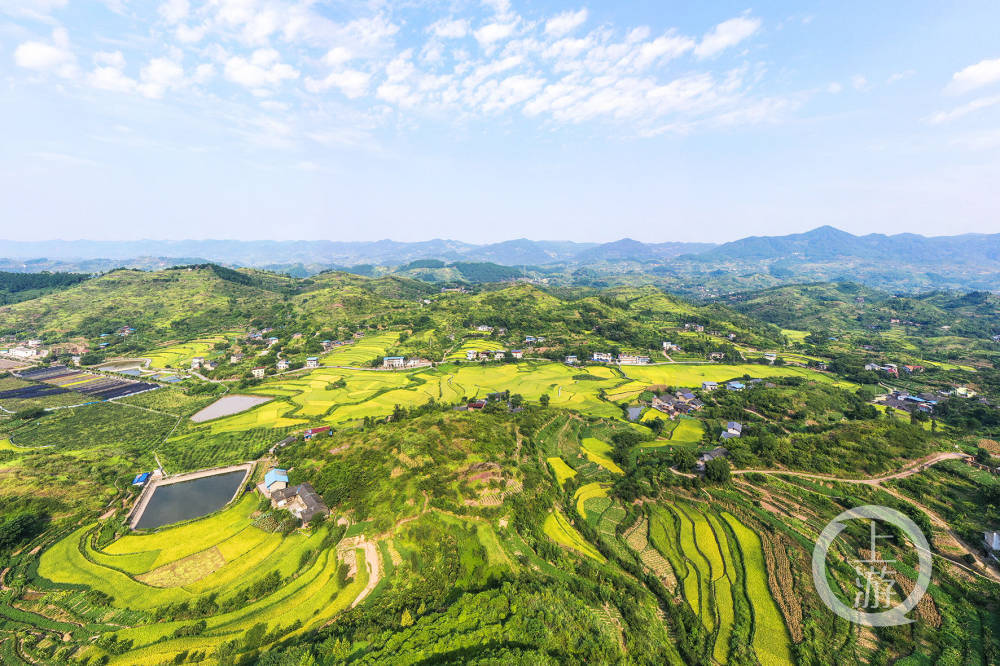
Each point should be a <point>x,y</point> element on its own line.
<point>562,471</point>
<point>770,638</point>
<point>476,344</point>
<point>595,496</point>
<point>308,398</point>
<point>214,555</point>
<point>638,538</point>
<point>697,547</point>
<point>558,529</point>
<point>362,352</point>
<point>180,355</point>
<point>598,452</point>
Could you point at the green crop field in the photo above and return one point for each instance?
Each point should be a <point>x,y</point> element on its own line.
<point>542,528</point>
<point>687,431</point>
<point>595,495</point>
<point>558,529</point>
<point>475,344</point>
<point>361,352</point>
<point>561,469</point>
<point>770,637</point>
<point>179,355</point>
<point>597,452</point>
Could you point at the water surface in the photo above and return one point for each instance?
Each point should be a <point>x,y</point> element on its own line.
<point>189,499</point>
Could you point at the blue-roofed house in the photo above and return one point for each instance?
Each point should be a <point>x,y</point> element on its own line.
<point>275,479</point>
<point>140,479</point>
<point>735,386</point>
<point>393,361</point>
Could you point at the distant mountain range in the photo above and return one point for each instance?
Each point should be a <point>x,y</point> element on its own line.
<point>384,252</point>
<point>906,262</point>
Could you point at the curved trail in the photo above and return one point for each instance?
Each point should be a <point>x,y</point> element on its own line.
<point>991,571</point>
<point>909,470</point>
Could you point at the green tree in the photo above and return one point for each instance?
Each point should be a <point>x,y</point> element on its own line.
<point>544,400</point>
<point>717,470</point>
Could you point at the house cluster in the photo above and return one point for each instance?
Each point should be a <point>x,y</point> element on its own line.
<point>996,338</point>
<point>28,351</point>
<point>670,346</point>
<point>531,339</point>
<point>395,362</point>
<point>705,458</point>
<point>330,345</point>
<point>682,402</point>
<point>901,400</point>
<point>494,355</point>
<point>733,430</point>
<point>301,500</point>
<point>480,403</point>
<point>483,328</point>
<point>893,369</point>
<point>623,359</point>
<point>126,331</point>
<point>282,365</point>
<point>199,362</point>
<point>698,328</point>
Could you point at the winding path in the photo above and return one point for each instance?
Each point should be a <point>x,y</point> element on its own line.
<point>909,470</point>
<point>991,570</point>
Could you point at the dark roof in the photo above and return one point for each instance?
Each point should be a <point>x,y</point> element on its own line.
<point>306,493</point>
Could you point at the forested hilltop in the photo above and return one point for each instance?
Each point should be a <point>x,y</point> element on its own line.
<point>480,472</point>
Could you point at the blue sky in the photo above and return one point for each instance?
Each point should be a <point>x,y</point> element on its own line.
<point>485,121</point>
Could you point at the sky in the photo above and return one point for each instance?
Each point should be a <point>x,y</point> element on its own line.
<point>489,120</point>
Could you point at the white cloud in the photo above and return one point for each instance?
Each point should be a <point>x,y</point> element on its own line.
<point>859,82</point>
<point>174,11</point>
<point>900,76</point>
<point>493,32</point>
<point>983,73</point>
<point>159,76</point>
<point>449,28</point>
<point>204,73</point>
<point>54,56</point>
<point>34,9</point>
<point>338,55</point>
<point>834,88</point>
<point>964,110</point>
<point>110,58</point>
<point>110,78</point>
<point>262,70</point>
<point>109,73</point>
<point>665,47</point>
<point>191,34</point>
<point>565,23</point>
<point>726,34</point>
<point>351,82</point>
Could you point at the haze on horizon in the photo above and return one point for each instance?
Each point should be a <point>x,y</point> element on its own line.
<point>489,121</point>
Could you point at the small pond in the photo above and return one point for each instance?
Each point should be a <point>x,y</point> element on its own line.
<point>185,500</point>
